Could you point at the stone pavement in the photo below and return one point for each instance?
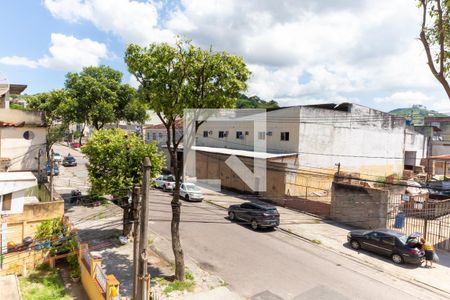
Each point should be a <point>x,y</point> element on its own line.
<point>333,236</point>
<point>9,287</point>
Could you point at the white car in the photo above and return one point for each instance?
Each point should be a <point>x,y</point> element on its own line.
<point>57,157</point>
<point>165,182</point>
<point>191,192</point>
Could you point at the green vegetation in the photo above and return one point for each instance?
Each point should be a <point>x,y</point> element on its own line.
<point>254,102</point>
<point>416,113</point>
<point>49,229</point>
<point>186,285</point>
<point>16,106</point>
<point>115,164</point>
<point>44,284</point>
<point>318,242</point>
<point>189,275</point>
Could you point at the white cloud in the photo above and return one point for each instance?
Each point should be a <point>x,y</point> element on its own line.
<point>66,53</point>
<point>404,98</point>
<point>133,21</point>
<point>18,61</point>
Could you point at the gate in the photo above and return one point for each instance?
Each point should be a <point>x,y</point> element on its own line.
<point>420,214</point>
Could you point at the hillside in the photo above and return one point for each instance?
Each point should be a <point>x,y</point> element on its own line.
<point>255,102</point>
<point>417,112</point>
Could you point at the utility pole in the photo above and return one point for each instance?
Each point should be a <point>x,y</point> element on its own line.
<point>52,166</point>
<point>39,167</point>
<point>136,236</point>
<point>144,286</point>
<point>339,168</point>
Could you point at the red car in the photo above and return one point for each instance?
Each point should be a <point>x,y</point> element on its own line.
<point>75,145</point>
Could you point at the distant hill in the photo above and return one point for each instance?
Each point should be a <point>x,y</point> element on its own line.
<point>255,102</point>
<point>417,112</point>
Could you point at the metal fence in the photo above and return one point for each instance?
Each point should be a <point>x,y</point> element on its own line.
<point>100,276</point>
<point>420,214</point>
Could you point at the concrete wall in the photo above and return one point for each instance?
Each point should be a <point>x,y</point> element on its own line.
<point>371,144</point>
<point>25,224</point>
<point>18,116</point>
<point>16,203</point>
<point>359,206</point>
<point>23,152</point>
<point>418,143</point>
<point>440,148</point>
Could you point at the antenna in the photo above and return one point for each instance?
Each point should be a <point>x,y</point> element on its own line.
<point>4,84</point>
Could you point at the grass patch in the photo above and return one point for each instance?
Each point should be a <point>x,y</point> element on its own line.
<point>43,285</point>
<point>176,285</point>
<point>318,242</point>
<point>189,275</point>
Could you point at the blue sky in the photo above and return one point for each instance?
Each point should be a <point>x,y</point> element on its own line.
<point>299,52</point>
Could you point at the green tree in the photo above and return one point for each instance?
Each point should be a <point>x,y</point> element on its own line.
<point>435,37</point>
<point>100,98</point>
<point>53,106</point>
<point>176,78</point>
<point>116,164</point>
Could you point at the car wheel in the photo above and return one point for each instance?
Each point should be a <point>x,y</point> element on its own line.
<point>186,197</point>
<point>355,244</point>
<point>164,188</point>
<point>397,258</point>
<point>254,224</point>
<point>232,216</point>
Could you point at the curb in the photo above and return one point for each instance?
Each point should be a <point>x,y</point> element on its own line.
<point>312,241</point>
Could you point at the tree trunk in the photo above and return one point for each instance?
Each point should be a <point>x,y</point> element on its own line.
<point>176,244</point>
<point>82,133</point>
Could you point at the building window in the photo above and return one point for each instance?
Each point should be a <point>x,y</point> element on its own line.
<point>5,201</point>
<point>261,135</point>
<point>205,133</point>
<point>154,136</point>
<point>28,135</point>
<point>221,134</point>
<point>239,135</point>
<point>160,136</point>
<point>285,136</point>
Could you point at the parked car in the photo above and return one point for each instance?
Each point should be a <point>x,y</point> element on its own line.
<point>258,215</point>
<point>165,182</point>
<point>69,161</point>
<point>49,169</point>
<point>75,145</point>
<point>57,157</point>
<point>398,246</point>
<point>190,192</point>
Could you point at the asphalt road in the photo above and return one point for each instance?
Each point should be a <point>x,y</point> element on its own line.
<point>261,265</point>
<point>273,264</point>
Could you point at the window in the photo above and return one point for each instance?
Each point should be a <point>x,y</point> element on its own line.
<point>154,136</point>
<point>374,236</point>
<point>388,240</point>
<point>28,135</point>
<point>6,202</point>
<point>222,134</point>
<point>239,135</point>
<point>246,206</point>
<point>285,136</point>
<point>205,133</point>
<point>261,135</point>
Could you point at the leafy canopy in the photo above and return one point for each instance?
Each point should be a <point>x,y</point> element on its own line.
<point>435,37</point>
<point>185,76</point>
<point>116,160</point>
<point>100,97</point>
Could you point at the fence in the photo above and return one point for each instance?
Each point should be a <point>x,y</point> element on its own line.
<point>420,214</point>
<point>96,283</point>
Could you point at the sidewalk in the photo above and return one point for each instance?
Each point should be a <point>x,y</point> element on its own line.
<point>9,285</point>
<point>333,236</point>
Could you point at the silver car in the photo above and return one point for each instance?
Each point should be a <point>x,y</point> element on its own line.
<point>165,182</point>
<point>190,192</point>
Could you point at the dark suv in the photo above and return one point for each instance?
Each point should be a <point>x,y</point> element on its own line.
<point>399,247</point>
<point>258,215</point>
<point>69,161</point>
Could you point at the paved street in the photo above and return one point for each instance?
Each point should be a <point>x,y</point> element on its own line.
<point>266,264</point>
<point>272,263</point>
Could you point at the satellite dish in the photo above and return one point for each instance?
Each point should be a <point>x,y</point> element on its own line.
<point>4,84</point>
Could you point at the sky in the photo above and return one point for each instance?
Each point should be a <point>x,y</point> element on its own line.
<point>299,51</point>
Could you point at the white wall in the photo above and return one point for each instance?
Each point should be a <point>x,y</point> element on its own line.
<point>416,142</point>
<point>18,199</point>
<point>23,152</point>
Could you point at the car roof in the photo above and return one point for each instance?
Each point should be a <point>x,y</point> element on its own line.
<point>389,232</point>
<point>261,205</point>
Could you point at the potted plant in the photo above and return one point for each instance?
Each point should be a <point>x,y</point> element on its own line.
<point>75,274</point>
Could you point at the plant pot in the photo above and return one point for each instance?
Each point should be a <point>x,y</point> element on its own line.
<point>75,279</point>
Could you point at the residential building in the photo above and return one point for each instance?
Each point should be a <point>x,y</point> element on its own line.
<point>22,137</point>
<point>315,141</point>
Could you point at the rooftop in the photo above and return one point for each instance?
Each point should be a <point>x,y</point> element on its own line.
<point>16,181</point>
<point>243,153</point>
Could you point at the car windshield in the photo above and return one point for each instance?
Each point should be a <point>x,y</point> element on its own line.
<point>170,178</point>
<point>70,158</point>
<point>403,239</point>
<point>192,187</point>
